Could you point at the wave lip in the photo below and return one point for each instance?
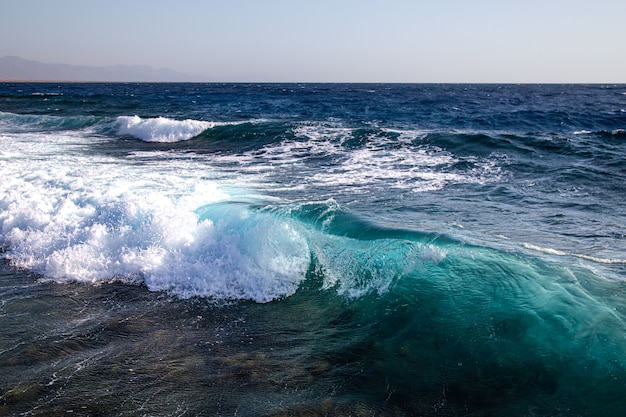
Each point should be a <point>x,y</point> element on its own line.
<point>161,129</point>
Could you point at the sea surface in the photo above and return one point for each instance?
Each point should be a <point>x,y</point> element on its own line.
<point>312,250</point>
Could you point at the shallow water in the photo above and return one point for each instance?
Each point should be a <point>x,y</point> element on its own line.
<point>118,349</point>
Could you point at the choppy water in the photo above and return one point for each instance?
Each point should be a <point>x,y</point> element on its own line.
<point>204,249</point>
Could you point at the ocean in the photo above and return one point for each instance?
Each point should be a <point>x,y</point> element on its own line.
<point>312,250</point>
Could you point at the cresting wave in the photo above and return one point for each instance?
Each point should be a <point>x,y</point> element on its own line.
<point>194,237</point>
<point>161,129</point>
<point>202,244</point>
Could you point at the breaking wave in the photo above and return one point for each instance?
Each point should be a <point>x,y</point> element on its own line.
<point>161,129</point>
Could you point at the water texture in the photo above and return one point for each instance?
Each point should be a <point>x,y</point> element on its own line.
<point>314,249</point>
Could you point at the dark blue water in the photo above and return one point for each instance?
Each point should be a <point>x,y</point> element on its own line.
<point>314,249</point>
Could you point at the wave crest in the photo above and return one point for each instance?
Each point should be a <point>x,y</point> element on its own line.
<point>161,129</point>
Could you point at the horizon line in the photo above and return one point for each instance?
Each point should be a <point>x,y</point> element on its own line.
<point>44,81</point>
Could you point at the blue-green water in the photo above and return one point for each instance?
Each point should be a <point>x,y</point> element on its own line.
<point>315,249</point>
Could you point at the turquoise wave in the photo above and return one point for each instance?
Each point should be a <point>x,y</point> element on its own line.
<point>426,320</point>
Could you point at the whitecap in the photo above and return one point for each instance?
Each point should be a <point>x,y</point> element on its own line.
<point>161,129</point>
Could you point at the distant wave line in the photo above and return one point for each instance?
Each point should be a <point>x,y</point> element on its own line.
<point>556,252</point>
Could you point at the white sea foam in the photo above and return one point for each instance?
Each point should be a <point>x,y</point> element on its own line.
<point>161,129</point>
<point>381,162</point>
<point>90,218</point>
<point>391,162</point>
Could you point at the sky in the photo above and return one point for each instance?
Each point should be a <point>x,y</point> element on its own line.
<point>578,41</point>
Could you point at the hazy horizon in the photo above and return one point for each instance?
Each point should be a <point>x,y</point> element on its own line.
<point>340,41</point>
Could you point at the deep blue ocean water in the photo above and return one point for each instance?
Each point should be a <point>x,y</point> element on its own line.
<point>312,249</point>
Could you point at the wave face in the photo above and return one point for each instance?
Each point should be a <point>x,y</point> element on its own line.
<point>313,249</point>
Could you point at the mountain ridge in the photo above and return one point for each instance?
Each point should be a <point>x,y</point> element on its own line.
<point>14,68</point>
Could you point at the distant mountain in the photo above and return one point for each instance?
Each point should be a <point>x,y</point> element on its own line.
<point>13,68</point>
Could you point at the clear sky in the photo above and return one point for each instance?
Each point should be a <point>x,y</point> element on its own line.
<point>330,40</point>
